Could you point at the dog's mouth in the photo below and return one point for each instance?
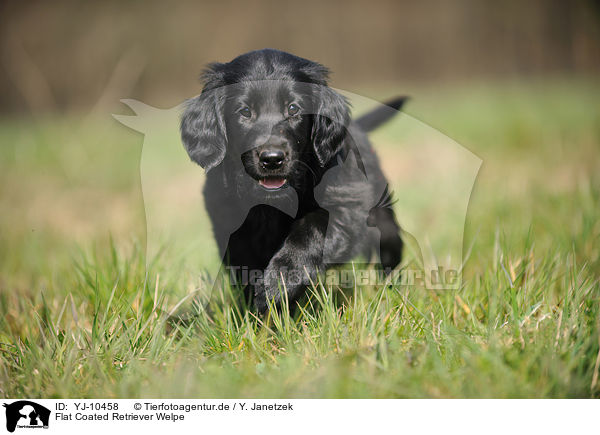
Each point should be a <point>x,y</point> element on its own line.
<point>272,183</point>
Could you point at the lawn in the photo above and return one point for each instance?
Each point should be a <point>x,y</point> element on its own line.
<point>83,311</point>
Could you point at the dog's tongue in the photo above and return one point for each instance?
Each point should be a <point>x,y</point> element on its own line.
<point>272,183</point>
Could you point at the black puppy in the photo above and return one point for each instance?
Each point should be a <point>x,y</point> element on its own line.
<point>267,129</point>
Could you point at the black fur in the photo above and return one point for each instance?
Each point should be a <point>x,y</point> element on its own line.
<point>247,109</point>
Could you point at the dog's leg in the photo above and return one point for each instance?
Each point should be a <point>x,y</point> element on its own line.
<point>296,263</point>
<point>317,240</point>
<point>390,244</point>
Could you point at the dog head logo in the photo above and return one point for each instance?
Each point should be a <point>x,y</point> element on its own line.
<point>26,414</point>
<point>432,175</point>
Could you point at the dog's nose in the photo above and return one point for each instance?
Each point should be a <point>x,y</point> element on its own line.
<point>271,159</point>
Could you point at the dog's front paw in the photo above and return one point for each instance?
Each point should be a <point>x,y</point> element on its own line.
<point>260,299</point>
<point>270,289</point>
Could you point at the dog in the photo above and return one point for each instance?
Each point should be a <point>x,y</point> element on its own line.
<point>267,129</point>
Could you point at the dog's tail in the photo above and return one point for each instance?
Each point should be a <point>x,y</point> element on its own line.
<point>386,111</point>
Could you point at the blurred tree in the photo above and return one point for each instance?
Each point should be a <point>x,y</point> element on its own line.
<point>70,54</point>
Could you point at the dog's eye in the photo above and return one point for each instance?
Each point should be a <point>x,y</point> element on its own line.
<point>293,109</point>
<point>245,112</point>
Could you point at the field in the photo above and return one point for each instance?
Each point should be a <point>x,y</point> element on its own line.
<point>82,316</point>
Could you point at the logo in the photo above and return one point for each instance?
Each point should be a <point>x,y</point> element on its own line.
<point>436,173</point>
<point>27,415</point>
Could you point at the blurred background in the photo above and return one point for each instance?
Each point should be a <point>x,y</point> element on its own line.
<point>515,82</point>
<point>71,55</point>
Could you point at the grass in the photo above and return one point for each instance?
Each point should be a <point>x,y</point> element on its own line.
<point>82,316</point>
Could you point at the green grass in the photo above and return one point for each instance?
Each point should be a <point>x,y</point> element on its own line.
<point>82,316</point>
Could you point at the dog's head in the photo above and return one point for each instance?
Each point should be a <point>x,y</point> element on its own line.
<point>268,111</point>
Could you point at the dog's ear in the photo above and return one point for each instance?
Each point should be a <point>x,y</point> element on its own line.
<point>330,121</point>
<point>202,124</point>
